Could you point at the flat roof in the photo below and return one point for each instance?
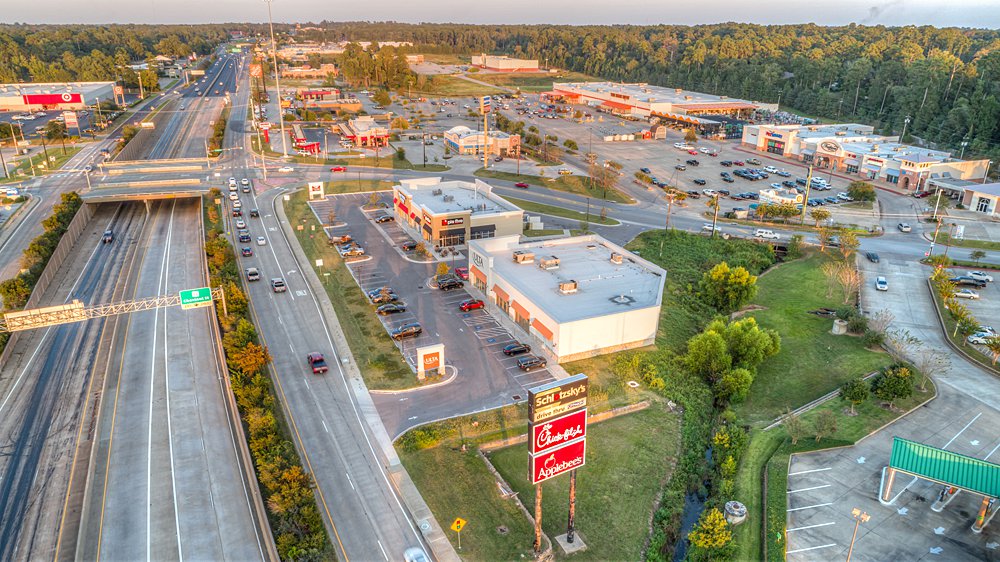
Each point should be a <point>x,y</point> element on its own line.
<point>655,94</point>
<point>604,287</point>
<point>444,197</point>
<point>53,87</point>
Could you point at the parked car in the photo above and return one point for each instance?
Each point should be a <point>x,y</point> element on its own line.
<point>645,170</point>
<point>383,298</point>
<point>471,304</point>
<point>516,349</point>
<point>286,169</point>
<point>872,257</point>
<point>680,167</point>
<point>727,178</point>
<point>462,273</point>
<point>693,194</point>
<point>384,217</point>
<point>770,169</point>
<point>843,196</point>
<point>410,330</point>
<point>753,161</point>
<point>409,246</point>
<point>353,251</point>
<point>530,362</point>
<point>521,184</point>
<point>700,182</point>
<point>967,294</point>
<point>693,162</point>
<point>968,281</point>
<point>278,285</point>
<point>391,308</point>
<point>317,363</point>
<point>449,284</point>
<point>726,163</point>
<point>980,338</point>
<point>881,284</point>
<point>980,276</point>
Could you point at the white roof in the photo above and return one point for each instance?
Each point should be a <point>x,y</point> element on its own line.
<point>444,197</point>
<point>604,287</point>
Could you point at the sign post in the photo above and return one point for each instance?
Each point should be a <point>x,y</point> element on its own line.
<point>457,526</point>
<point>196,298</point>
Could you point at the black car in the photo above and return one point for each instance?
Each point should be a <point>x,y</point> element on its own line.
<point>692,162</point>
<point>384,218</point>
<point>693,194</point>
<point>789,184</point>
<point>726,163</point>
<point>109,236</point>
<point>724,192</point>
<point>680,167</point>
<point>409,246</point>
<point>530,362</point>
<point>254,213</point>
<point>872,257</point>
<point>379,291</point>
<point>967,281</point>
<point>645,170</point>
<point>407,331</point>
<point>449,284</point>
<point>391,308</point>
<point>516,349</point>
<point>700,182</point>
<point>383,298</point>
<point>728,179</point>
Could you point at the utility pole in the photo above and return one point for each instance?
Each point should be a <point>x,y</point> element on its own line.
<point>41,136</point>
<point>906,121</point>
<point>423,144</point>
<point>538,518</point>
<point>805,201</point>
<point>670,207</point>
<point>715,219</point>
<point>277,82</point>
<point>571,523</point>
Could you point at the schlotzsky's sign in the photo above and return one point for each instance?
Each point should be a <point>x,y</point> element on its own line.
<point>559,460</point>
<point>557,398</point>
<point>557,432</point>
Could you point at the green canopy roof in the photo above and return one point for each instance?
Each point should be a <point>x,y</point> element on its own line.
<point>946,467</point>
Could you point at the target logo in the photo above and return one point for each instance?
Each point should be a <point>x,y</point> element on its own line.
<point>67,97</point>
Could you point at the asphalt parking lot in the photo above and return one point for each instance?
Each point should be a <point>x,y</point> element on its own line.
<point>474,340</point>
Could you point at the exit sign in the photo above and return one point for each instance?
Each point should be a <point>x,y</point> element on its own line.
<point>196,298</point>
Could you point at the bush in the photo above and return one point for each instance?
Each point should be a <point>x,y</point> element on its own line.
<point>873,338</point>
<point>727,289</point>
<point>857,324</point>
<point>861,191</point>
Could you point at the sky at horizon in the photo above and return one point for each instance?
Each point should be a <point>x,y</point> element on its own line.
<point>959,13</point>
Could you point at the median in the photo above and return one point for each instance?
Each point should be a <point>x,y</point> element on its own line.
<point>552,210</point>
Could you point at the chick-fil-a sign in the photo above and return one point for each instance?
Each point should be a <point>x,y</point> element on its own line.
<point>558,431</point>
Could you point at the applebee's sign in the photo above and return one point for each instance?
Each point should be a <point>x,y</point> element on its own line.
<point>559,431</point>
<point>559,460</point>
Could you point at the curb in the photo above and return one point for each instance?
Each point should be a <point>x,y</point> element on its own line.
<point>958,349</point>
<point>443,382</point>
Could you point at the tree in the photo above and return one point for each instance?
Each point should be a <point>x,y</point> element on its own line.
<point>819,215</point>
<point>251,360</point>
<point>382,98</point>
<point>373,199</point>
<point>708,356</point>
<point>892,384</point>
<point>977,255</point>
<point>855,391</point>
<point>733,386</point>
<point>570,144</point>
<point>690,135</point>
<point>826,424</point>
<point>881,320</point>
<point>331,217</point>
<point>727,289</point>
<point>825,237</point>
<point>712,531</point>
<point>848,244</point>
<point>400,123</point>
<point>793,426</point>
<point>55,130</point>
<point>993,346</point>
<point>861,191</point>
<point>929,363</point>
<point>442,269</point>
<point>748,344</point>
<point>794,248</point>
<point>15,292</point>
<point>965,327</point>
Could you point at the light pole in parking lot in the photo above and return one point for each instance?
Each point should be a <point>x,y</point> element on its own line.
<point>277,83</point>
<point>859,518</point>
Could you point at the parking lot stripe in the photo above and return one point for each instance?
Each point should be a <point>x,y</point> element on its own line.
<point>987,457</point>
<point>809,471</point>
<point>962,431</point>
<point>810,526</point>
<point>807,489</point>
<point>811,548</point>
<point>808,507</point>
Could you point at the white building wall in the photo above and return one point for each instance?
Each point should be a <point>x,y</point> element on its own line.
<point>592,334</point>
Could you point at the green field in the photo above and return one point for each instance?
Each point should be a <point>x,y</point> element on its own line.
<point>377,357</point>
<point>579,185</point>
<point>626,464</point>
<point>539,82</point>
<point>22,171</point>
<point>531,206</point>
<point>451,86</point>
<point>811,362</point>
<point>945,238</point>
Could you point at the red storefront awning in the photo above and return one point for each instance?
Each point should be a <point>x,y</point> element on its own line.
<point>542,329</point>
<point>479,275</point>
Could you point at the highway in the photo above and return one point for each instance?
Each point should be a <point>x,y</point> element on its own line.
<point>365,518</point>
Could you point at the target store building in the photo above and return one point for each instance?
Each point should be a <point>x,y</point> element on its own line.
<point>60,96</point>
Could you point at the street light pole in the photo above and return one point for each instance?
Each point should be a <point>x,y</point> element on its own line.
<point>906,122</point>
<point>961,155</point>
<point>277,83</point>
<point>987,174</point>
<point>859,518</point>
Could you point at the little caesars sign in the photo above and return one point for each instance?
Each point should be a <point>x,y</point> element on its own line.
<point>557,414</point>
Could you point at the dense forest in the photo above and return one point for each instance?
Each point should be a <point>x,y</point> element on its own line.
<point>946,80</point>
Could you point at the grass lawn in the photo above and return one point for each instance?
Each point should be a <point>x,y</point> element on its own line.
<point>864,205</point>
<point>570,184</point>
<point>543,232</point>
<point>530,206</point>
<point>453,86</point>
<point>355,186</point>
<point>946,239</point>
<point>811,362</point>
<point>686,257</point>
<point>22,171</point>
<point>613,503</point>
<point>381,365</point>
<point>540,82</point>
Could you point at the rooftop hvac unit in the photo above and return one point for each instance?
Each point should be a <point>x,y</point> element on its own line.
<point>678,90</point>
<point>548,263</point>
<point>688,98</point>
<point>616,258</point>
<point>449,198</point>
<point>524,256</point>
<point>437,192</point>
<point>723,97</point>
<point>568,287</point>
<point>482,206</point>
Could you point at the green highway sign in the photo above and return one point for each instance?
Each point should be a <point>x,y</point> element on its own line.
<point>196,298</point>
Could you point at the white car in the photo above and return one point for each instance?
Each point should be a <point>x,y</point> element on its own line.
<point>286,169</point>
<point>233,196</point>
<point>707,227</point>
<point>770,169</point>
<point>261,241</point>
<point>232,182</point>
<point>981,276</point>
<point>240,223</point>
<point>704,150</point>
<point>881,284</point>
<point>776,185</point>
<point>843,196</point>
<point>904,227</point>
<point>709,192</point>
<point>980,338</point>
<point>766,234</point>
<point>967,294</point>
<point>244,181</point>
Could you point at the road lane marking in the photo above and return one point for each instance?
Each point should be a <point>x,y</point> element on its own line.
<point>325,428</point>
<point>811,548</point>
<point>811,526</point>
<point>166,387</point>
<point>807,489</point>
<point>808,507</point>
<point>382,549</point>
<point>962,431</point>
<point>808,471</point>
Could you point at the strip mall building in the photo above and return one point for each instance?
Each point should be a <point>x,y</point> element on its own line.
<point>62,96</point>
<point>451,213</point>
<point>855,149</point>
<point>574,297</point>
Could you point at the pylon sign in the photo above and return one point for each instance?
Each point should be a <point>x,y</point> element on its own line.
<point>557,417</point>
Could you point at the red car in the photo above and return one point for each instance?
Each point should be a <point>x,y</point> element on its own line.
<point>462,272</point>
<point>922,194</point>
<point>738,163</point>
<point>693,152</point>
<point>338,169</point>
<point>317,363</point>
<point>521,184</point>
<point>471,304</point>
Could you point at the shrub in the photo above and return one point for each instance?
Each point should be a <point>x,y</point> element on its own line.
<point>857,324</point>
<point>873,338</point>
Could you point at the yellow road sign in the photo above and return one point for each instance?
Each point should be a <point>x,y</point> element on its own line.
<point>458,524</point>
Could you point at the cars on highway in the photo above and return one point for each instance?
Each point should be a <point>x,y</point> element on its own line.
<point>521,184</point>
<point>286,169</point>
<point>240,223</point>
<point>471,304</point>
<point>872,257</point>
<point>410,330</point>
<point>338,169</point>
<point>881,284</point>
<point>516,349</point>
<point>246,251</point>
<point>108,237</point>
<point>530,362</point>
<point>707,227</point>
<point>254,213</point>
<point>391,308</point>
<point>317,363</point>
<point>278,285</point>
<point>967,294</point>
<point>252,273</point>
<point>244,236</point>
<point>766,234</point>
<point>261,241</point>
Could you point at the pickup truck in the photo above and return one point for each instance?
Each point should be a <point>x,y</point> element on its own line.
<point>317,363</point>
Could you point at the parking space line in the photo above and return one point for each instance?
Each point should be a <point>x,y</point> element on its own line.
<point>811,526</point>
<point>991,452</point>
<point>808,507</point>
<point>962,431</point>
<point>807,489</point>
<point>808,471</point>
<point>810,548</point>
